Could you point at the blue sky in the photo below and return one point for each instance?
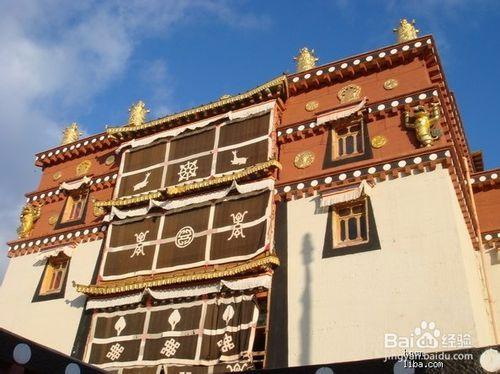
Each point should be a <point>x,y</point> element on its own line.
<point>89,61</point>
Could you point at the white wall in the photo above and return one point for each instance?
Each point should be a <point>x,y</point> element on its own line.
<point>53,323</point>
<point>341,307</point>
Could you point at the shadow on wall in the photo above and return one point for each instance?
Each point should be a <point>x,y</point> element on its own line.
<point>305,320</point>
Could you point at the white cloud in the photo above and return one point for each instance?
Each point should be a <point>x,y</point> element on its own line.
<point>56,56</point>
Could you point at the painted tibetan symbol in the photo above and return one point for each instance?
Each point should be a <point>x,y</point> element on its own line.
<point>237,229</point>
<point>115,351</point>
<point>187,170</point>
<point>139,247</point>
<point>238,160</point>
<point>184,237</point>
<point>143,183</point>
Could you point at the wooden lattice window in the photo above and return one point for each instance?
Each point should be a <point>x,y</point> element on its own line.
<point>74,208</point>
<point>351,223</point>
<point>348,140</point>
<point>54,275</point>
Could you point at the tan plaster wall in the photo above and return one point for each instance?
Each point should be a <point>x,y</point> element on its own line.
<point>53,323</point>
<point>341,307</point>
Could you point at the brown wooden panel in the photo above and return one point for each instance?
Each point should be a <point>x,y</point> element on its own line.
<point>196,218</point>
<point>171,255</point>
<point>130,324</point>
<point>123,351</point>
<point>241,131</point>
<point>144,157</point>
<point>255,153</point>
<point>187,318</point>
<point>125,234</point>
<point>192,144</point>
<point>255,206</point>
<point>222,247</point>
<point>202,169</point>
<point>141,182</point>
<point>123,262</point>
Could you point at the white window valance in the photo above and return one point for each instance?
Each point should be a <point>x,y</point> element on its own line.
<point>231,116</point>
<point>67,250</point>
<point>344,195</point>
<point>340,113</point>
<point>75,185</point>
<point>179,292</point>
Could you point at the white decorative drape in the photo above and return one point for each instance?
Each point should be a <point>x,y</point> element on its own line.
<point>340,113</point>
<point>236,285</point>
<point>67,250</point>
<point>75,185</point>
<point>231,116</point>
<point>344,195</point>
<point>266,184</point>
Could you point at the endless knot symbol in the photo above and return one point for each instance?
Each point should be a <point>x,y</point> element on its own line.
<point>139,247</point>
<point>184,237</point>
<point>115,351</point>
<point>187,170</point>
<point>237,228</point>
<point>170,347</point>
<point>226,343</point>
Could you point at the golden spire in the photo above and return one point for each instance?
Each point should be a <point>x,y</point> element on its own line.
<point>138,114</point>
<point>305,59</point>
<point>71,134</point>
<point>406,31</point>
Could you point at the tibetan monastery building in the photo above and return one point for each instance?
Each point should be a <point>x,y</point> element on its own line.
<point>331,215</point>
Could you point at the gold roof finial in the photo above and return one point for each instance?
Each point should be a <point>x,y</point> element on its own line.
<point>406,31</point>
<point>305,60</point>
<point>71,134</point>
<point>138,114</point>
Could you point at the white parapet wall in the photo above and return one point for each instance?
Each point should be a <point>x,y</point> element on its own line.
<point>341,308</point>
<point>53,323</point>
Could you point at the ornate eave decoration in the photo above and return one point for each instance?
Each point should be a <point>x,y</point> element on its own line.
<point>406,31</point>
<point>183,188</point>
<point>138,283</point>
<point>266,87</point>
<point>306,59</point>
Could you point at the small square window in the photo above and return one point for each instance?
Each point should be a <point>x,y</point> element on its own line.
<point>350,224</point>
<point>348,140</point>
<point>53,282</point>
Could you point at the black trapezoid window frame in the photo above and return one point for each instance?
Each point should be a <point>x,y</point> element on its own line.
<point>330,249</point>
<point>74,210</point>
<point>46,289</point>
<point>361,147</point>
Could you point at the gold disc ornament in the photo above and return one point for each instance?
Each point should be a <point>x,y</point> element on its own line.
<point>110,160</point>
<point>304,159</point>
<point>379,141</point>
<point>52,220</point>
<point>83,167</point>
<point>312,105</point>
<point>391,84</point>
<point>57,175</point>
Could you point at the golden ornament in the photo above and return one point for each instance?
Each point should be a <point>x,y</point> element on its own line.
<point>391,84</point>
<point>83,167</point>
<point>110,160</point>
<point>306,59</point>
<point>57,175</point>
<point>71,134</point>
<point>312,105</point>
<point>379,141</point>
<point>52,220</point>
<point>304,159</point>
<point>349,93</point>
<point>406,31</point>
